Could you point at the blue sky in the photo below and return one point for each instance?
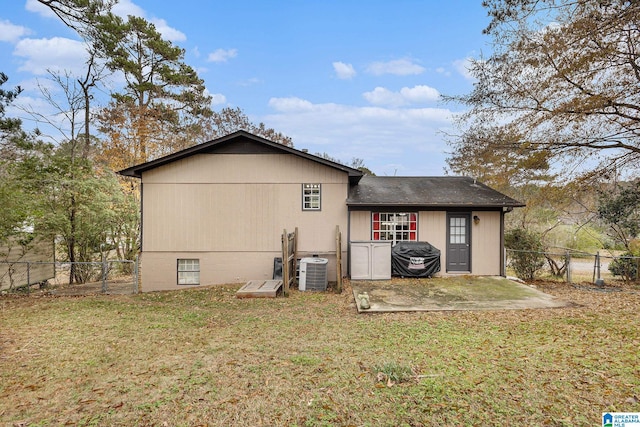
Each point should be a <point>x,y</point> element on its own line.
<point>349,78</point>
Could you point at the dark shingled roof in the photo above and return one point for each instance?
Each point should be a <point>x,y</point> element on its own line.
<point>446,191</point>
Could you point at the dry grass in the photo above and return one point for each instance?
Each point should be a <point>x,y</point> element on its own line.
<point>203,357</point>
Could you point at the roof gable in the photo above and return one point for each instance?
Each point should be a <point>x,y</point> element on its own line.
<point>416,191</point>
<point>240,142</point>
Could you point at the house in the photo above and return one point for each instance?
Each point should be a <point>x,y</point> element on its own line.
<point>214,213</point>
<point>26,261</point>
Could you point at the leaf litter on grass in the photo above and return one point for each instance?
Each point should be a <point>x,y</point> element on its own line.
<point>203,357</point>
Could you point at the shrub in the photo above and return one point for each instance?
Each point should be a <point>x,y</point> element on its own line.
<point>625,266</point>
<point>527,257</point>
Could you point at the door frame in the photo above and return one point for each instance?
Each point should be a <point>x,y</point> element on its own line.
<point>467,216</point>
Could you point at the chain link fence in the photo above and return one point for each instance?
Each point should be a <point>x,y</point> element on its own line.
<point>578,267</point>
<point>106,277</point>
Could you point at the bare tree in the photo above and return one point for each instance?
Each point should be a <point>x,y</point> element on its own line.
<point>564,78</point>
<point>229,120</point>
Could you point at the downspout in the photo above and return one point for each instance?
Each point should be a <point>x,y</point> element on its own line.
<point>503,253</point>
<point>141,213</point>
<point>348,242</point>
<point>139,257</point>
<point>503,270</point>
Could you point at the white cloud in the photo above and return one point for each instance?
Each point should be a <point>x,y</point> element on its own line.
<point>463,66</point>
<point>222,55</point>
<point>12,33</point>
<point>218,99</point>
<point>391,141</point>
<point>292,104</point>
<point>415,95</point>
<point>168,32</point>
<point>443,71</point>
<point>55,54</point>
<point>383,96</point>
<point>36,103</point>
<point>33,85</point>
<point>344,71</point>
<point>125,8</point>
<point>398,67</point>
<point>37,7</point>
<point>420,93</point>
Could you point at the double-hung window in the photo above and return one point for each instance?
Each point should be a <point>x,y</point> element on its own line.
<point>311,194</point>
<point>395,226</point>
<point>188,271</point>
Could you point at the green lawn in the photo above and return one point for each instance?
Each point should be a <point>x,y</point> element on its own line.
<point>203,357</point>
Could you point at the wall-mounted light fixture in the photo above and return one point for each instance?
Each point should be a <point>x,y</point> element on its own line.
<point>476,219</point>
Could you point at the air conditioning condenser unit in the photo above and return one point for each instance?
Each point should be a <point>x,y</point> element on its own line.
<point>313,274</point>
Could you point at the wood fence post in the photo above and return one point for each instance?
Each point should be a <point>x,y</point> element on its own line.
<point>568,261</point>
<point>338,260</point>
<point>285,263</point>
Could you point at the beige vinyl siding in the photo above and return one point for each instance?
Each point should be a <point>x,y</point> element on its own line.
<point>230,210</point>
<point>210,206</point>
<point>485,244</point>
<point>237,217</point>
<point>360,224</point>
<point>244,168</point>
<point>432,228</point>
<point>159,269</point>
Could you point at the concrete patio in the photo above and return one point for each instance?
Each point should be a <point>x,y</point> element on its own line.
<point>452,293</point>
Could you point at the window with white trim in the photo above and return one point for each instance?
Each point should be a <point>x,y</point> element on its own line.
<point>457,230</point>
<point>394,226</point>
<point>188,271</point>
<point>311,194</point>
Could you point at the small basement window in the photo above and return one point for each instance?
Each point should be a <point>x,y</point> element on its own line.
<point>311,197</point>
<point>188,271</point>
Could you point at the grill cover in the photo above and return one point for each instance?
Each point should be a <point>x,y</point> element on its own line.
<point>415,259</point>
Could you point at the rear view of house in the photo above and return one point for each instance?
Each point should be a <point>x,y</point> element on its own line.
<point>461,217</point>
<point>214,213</point>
